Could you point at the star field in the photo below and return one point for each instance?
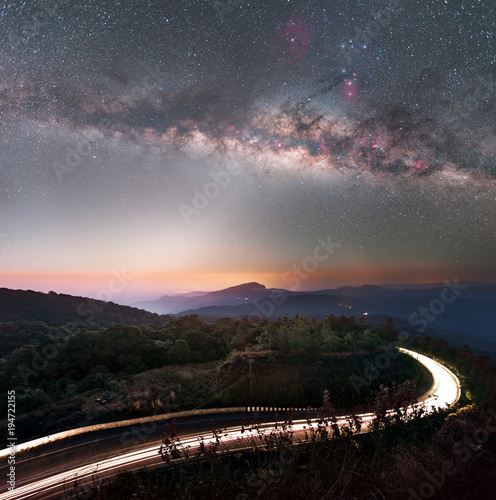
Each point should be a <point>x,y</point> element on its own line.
<point>196,144</point>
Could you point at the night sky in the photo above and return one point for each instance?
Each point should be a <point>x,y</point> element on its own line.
<point>169,146</point>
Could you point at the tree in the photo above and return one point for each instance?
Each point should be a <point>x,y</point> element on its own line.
<point>194,338</point>
<point>181,352</point>
<point>32,400</point>
<point>389,329</point>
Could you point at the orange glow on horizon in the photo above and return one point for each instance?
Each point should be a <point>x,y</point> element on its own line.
<point>126,283</point>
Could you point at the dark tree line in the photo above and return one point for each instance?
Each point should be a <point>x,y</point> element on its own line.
<point>62,361</point>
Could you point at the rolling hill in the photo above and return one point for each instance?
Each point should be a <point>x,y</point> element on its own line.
<point>59,309</point>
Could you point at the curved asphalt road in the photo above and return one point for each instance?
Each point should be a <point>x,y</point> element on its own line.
<point>141,443</point>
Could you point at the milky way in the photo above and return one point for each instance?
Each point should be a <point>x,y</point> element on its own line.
<point>119,114</point>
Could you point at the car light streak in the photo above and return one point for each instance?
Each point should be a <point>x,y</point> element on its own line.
<point>445,391</point>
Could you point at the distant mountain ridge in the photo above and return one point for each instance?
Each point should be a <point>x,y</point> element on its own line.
<point>253,291</point>
<point>234,295</point>
<point>471,314</point>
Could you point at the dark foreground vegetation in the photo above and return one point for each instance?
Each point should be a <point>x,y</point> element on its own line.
<point>70,371</point>
<point>448,455</point>
<point>437,457</point>
<point>123,371</point>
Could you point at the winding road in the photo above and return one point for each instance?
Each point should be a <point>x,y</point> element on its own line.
<point>85,466</point>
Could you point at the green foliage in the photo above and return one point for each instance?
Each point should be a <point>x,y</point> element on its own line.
<point>309,337</point>
<point>181,352</point>
<point>70,359</point>
<point>15,334</point>
<point>32,399</point>
<point>294,362</point>
<point>295,379</point>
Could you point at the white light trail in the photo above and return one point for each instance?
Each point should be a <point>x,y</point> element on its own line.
<point>445,391</point>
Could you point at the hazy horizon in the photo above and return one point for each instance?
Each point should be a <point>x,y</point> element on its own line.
<point>129,297</point>
<point>281,142</point>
